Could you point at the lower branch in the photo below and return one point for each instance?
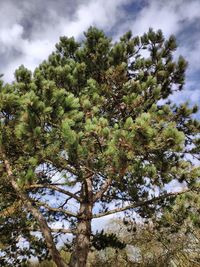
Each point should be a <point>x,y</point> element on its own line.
<point>138,204</point>
<point>53,230</point>
<point>45,205</point>
<point>53,187</point>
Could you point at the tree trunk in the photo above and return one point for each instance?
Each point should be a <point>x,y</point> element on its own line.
<point>83,231</point>
<point>82,240</point>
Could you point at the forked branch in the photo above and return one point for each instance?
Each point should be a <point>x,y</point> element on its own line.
<point>103,189</point>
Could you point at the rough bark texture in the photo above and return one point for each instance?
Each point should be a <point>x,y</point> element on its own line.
<point>82,240</point>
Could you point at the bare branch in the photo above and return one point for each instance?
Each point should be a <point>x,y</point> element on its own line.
<point>45,205</point>
<point>53,187</point>
<point>54,230</point>
<point>139,204</point>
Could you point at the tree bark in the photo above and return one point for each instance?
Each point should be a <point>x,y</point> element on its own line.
<point>83,231</point>
<point>45,229</point>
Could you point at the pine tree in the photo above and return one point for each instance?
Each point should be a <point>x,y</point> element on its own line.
<point>95,116</point>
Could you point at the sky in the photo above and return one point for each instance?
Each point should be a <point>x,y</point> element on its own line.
<point>30,29</point>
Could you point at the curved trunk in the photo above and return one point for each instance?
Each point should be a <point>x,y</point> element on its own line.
<point>46,231</point>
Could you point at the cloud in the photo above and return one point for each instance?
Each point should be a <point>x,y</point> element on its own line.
<point>170,16</point>
<point>31,34</point>
<point>10,40</point>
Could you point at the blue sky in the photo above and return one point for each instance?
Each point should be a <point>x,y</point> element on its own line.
<point>30,29</point>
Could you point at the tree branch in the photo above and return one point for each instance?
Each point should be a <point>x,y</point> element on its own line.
<point>53,187</point>
<point>103,189</point>
<point>45,205</point>
<point>62,166</point>
<point>55,230</point>
<point>138,204</point>
<point>10,210</point>
<point>46,231</point>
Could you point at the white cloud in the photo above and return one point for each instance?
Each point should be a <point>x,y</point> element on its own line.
<point>9,14</point>
<point>38,46</point>
<point>192,53</point>
<point>33,52</point>
<point>170,16</point>
<point>100,13</point>
<point>15,33</point>
<point>157,17</point>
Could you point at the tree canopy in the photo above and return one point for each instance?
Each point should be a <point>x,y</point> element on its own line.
<point>91,132</point>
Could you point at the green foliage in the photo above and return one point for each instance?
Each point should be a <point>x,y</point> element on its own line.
<point>102,240</point>
<point>98,107</point>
